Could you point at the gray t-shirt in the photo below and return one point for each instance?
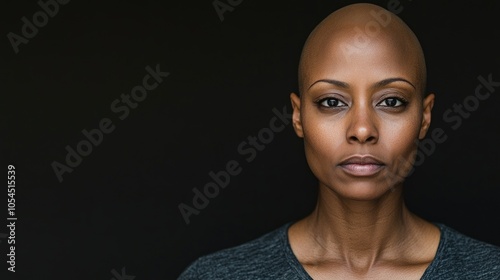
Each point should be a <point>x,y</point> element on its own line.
<point>271,257</point>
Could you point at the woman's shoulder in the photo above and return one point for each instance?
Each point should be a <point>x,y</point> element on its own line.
<point>260,257</point>
<point>464,257</point>
<point>464,246</point>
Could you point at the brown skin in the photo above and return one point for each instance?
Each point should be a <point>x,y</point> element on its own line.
<point>361,228</point>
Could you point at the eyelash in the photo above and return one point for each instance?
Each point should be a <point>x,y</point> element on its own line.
<point>403,102</point>
<point>320,102</point>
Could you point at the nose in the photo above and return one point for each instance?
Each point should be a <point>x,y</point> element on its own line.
<point>362,125</point>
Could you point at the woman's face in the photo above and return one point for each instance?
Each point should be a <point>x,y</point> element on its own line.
<point>360,114</point>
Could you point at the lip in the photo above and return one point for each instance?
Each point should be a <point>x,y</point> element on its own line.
<point>362,165</point>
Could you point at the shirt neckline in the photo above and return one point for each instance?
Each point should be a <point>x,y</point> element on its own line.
<point>297,266</point>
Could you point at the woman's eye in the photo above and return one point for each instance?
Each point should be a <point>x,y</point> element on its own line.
<point>331,102</point>
<point>392,102</point>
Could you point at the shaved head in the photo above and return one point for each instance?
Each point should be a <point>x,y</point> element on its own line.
<point>357,33</point>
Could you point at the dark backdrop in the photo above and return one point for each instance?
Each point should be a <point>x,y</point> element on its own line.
<point>117,212</point>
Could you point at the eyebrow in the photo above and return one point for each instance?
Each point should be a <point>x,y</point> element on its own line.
<point>379,84</point>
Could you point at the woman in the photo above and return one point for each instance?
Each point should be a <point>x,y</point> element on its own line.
<point>361,111</point>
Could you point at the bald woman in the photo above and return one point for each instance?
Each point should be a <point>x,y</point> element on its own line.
<point>361,109</point>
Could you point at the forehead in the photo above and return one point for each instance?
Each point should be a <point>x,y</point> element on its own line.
<point>355,57</point>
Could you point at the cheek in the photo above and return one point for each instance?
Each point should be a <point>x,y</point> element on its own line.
<point>399,139</point>
<point>399,135</point>
<point>323,139</point>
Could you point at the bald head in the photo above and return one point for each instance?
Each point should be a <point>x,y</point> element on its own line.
<point>361,36</point>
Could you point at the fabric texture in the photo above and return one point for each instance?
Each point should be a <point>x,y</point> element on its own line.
<point>270,257</point>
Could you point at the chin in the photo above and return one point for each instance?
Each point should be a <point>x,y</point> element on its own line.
<point>361,190</point>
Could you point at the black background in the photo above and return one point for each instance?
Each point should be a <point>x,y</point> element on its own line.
<point>119,207</point>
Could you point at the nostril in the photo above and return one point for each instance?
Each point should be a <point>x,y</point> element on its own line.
<point>368,139</point>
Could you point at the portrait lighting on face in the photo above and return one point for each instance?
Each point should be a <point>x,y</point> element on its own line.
<point>361,108</point>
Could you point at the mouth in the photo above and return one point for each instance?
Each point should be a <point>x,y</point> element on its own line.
<point>365,165</point>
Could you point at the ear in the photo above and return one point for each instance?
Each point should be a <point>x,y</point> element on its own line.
<point>297,123</point>
<point>427,104</point>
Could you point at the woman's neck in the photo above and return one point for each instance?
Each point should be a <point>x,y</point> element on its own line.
<point>360,233</point>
